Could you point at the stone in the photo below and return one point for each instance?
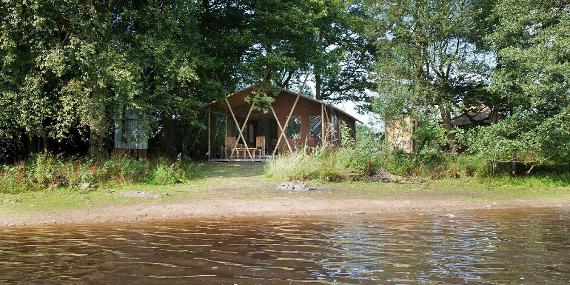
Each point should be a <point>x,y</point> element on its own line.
<point>140,194</point>
<point>385,176</point>
<point>299,186</point>
<point>85,186</point>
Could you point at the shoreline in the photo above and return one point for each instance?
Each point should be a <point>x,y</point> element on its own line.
<point>279,207</point>
<point>240,191</point>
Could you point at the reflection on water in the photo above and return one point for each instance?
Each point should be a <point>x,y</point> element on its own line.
<point>492,247</point>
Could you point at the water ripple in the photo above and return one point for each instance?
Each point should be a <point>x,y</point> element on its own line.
<point>490,247</point>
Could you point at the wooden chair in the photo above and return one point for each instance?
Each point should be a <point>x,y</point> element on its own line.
<point>260,145</point>
<point>230,144</point>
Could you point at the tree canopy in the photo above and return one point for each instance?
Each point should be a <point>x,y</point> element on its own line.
<point>442,59</point>
<point>432,57</point>
<point>532,43</point>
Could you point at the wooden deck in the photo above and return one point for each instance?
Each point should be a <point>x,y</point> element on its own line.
<point>256,159</point>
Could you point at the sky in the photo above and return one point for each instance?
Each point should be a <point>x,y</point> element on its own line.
<point>369,119</point>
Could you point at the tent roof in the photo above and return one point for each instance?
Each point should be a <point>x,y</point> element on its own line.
<point>285,91</point>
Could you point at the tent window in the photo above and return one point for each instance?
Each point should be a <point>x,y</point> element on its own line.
<point>232,129</point>
<point>293,130</point>
<point>334,129</point>
<point>315,128</point>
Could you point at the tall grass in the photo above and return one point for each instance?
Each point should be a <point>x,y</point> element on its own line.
<point>434,165</point>
<point>359,163</point>
<point>322,163</point>
<point>368,155</point>
<point>44,172</point>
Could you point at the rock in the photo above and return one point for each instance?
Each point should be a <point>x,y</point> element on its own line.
<point>299,186</point>
<point>385,176</point>
<point>451,216</point>
<point>139,194</point>
<point>85,186</point>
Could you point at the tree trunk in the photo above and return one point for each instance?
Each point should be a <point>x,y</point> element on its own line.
<point>187,141</point>
<point>96,144</point>
<point>45,142</point>
<point>167,136</point>
<point>446,118</point>
<point>318,83</point>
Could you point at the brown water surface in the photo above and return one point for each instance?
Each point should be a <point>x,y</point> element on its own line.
<point>486,247</point>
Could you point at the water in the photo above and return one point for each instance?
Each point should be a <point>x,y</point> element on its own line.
<point>488,247</point>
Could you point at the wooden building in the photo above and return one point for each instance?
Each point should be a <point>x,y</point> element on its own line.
<point>239,128</point>
<point>399,133</point>
<point>131,134</point>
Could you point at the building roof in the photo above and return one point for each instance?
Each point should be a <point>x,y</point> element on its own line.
<point>290,92</point>
<point>481,114</point>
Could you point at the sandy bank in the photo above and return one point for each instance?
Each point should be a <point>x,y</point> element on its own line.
<point>219,208</point>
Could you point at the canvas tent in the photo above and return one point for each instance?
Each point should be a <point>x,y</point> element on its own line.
<point>239,128</point>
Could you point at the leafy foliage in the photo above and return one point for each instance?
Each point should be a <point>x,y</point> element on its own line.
<point>72,65</point>
<point>47,172</point>
<point>263,97</point>
<point>431,58</point>
<point>533,76</point>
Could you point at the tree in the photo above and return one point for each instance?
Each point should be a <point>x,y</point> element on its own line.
<point>533,75</point>
<point>343,56</point>
<point>430,57</point>
<point>289,41</point>
<point>78,65</point>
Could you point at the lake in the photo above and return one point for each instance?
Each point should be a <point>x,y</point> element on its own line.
<point>530,246</point>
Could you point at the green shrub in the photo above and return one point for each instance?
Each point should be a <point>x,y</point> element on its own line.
<point>44,171</point>
<point>13,179</point>
<point>164,175</point>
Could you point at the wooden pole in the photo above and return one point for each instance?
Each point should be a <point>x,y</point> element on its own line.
<point>285,127</point>
<point>209,134</point>
<point>328,126</point>
<point>323,139</point>
<point>281,131</point>
<point>240,129</point>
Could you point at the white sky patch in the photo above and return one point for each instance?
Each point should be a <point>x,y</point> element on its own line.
<point>370,119</point>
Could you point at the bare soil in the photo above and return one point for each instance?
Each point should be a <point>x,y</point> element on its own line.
<point>219,208</point>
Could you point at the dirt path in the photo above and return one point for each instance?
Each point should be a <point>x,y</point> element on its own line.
<point>218,208</point>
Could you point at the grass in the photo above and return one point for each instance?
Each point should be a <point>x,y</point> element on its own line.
<point>210,181</point>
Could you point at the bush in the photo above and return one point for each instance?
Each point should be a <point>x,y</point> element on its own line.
<point>44,171</point>
<point>435,164</point>
<point>525,138</point>
<point>164,175</point>
<point>360,159</point>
